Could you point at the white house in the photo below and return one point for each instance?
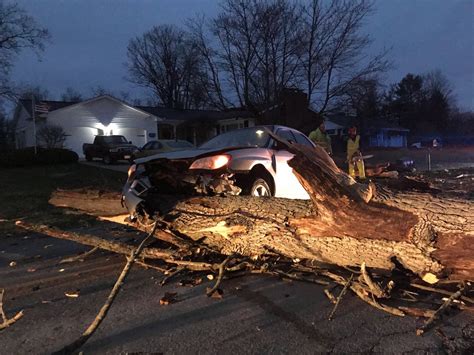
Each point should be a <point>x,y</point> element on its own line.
<point>82,121</point>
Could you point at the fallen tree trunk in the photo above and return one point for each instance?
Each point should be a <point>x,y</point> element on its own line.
<point>345,223</point>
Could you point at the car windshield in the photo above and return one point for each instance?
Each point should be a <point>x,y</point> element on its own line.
<point>245,137</point>
<point>114,139</point>
<point>179,144</point>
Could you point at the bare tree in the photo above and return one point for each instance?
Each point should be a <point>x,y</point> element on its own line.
<point>71,95</point>
<point>212,80</point>
<point>99,91</point>
<point>436,81</point>
<point>52,136</point>
<point>166,60</point>
<point>18,31</point>
<point>235,30</point>
<point>27,91</point>
<point>278,49</point>
<point>334,58</point>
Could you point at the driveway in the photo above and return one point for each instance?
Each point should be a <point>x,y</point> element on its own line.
<point>122,167</point>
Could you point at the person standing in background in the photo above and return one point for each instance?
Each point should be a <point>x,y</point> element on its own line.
<point>354,156</point>
<point>320,137</point>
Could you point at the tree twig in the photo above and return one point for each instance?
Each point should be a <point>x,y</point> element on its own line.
<point>110,299</point>
<point>79,257</point>
<point>440,291</point>
<point>5,321</point>
<point>171,275</point>
<point>338,300</point>
<point>440,310</point>
<point>221,275</point>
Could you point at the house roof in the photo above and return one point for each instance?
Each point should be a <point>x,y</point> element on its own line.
<point>160,112</point>
<point>194,115</point>
<point>386,125</point>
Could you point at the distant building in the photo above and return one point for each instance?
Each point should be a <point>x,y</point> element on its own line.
<point>379,133</point>
<point>197,126</point>
<point>385,134</point>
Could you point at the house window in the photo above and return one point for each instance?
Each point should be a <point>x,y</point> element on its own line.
<point>246,123</point>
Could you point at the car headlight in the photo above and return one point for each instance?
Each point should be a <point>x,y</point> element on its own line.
<point>211,163</point>
<point>131,171</point>
<point>113,150</point>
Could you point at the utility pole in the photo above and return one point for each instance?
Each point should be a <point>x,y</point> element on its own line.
<point>33,109</point>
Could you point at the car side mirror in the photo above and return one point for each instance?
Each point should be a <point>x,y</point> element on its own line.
<point>130,142</point>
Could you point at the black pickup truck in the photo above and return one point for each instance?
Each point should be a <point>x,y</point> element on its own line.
<point>109,149</point>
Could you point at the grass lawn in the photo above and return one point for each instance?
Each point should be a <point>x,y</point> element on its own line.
<point>25,192</point>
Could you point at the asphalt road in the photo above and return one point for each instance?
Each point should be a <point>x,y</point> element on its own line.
<point>255,315</point>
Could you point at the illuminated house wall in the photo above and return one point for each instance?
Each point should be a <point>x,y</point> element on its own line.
<point>103,115</point>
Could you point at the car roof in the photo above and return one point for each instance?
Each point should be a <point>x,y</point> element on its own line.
<point>169,140</point>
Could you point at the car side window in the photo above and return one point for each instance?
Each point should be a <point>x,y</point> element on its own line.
<point>147,146</point>
<point>286,134</point>
<point>301,139</point>
<point>157,145</point>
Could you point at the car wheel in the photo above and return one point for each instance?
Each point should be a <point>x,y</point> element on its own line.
<point>107,160</point>
<point>88,157</point>
<point>260,188</point>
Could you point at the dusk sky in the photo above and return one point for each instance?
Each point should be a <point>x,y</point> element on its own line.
<point>90,37</point>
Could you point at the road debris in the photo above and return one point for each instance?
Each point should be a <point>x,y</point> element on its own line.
<point>169,297</point>
<point>72,294</point>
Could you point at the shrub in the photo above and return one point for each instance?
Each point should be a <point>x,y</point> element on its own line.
<point>27,157</point>
<point>52,136</point>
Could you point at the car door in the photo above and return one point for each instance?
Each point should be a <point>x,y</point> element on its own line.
<point>286,183</point>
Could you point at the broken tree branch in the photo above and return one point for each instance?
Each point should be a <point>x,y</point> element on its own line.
<point>110,299</point>
<point>375,289</point>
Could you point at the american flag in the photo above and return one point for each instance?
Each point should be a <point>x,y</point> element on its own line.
<point>41,108</point>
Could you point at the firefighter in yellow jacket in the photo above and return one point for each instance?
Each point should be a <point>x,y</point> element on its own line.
<point>354,157</point>
<point>321,138</point>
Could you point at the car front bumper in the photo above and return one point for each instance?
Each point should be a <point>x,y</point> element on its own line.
<point>137,189</point>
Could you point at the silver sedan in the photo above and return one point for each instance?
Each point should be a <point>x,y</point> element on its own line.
<point>245,161</point>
